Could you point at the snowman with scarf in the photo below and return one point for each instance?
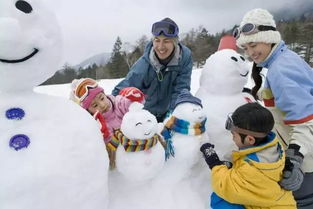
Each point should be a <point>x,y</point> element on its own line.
<point>222,80</point>
<point>139,152</point>
<point>139,158</point>
<point>44,163</point>
<point>183,132</point>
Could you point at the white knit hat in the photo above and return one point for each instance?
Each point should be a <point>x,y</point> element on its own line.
<point>259,17</point>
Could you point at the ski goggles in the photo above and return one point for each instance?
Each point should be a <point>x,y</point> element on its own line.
<point>229,125</point>
<point>83,87</point>
<point>168,29</point>
<point>250,28</point>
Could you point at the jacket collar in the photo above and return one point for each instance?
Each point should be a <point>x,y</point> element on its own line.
<point>272,141</point>
<point>150,56</point>
<point>278,49</point>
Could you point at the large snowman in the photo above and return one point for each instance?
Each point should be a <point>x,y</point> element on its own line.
<point>44,161</point>
<point>223,78</point>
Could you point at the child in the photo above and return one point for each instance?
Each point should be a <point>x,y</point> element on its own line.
<point>106,109</point>
<point>257,168</point>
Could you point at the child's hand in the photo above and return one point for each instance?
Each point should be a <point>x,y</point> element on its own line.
<point>210,156</point>
<point>133,94</point>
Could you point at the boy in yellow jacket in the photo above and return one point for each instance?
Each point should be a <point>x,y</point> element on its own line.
<point>252,180</point>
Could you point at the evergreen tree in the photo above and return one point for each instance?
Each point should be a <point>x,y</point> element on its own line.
<point>117,66</point>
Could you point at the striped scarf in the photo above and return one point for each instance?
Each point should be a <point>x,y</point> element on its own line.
<point>131,145</point>
<point>180,126</point>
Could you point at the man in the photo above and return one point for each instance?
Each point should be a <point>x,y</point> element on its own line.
<point>163,70</point>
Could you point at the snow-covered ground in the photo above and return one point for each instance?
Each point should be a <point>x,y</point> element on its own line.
<point>63,90</point>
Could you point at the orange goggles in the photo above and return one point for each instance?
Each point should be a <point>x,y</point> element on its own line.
<point>81,91</point>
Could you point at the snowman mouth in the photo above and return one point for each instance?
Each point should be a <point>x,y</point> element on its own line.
<point>146,134</point>
<point>35,51</point>
<point>244,75</point>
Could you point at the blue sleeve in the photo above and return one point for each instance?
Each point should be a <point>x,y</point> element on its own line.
<point>183,80</point>
<point>288,84</point>
<point>134,78</point>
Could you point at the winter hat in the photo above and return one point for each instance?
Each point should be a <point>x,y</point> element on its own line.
<point>227,42</point>
<point>186,96</point>
<point>259,17</point>
<point>169,20</point>
<point>84,91</point>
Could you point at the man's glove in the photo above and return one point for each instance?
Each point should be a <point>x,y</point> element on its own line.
<point>210,156</point>
<point>292,173</point>
<point>133,94</point>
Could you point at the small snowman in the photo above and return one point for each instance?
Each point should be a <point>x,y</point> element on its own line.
<point>183,132</point>
<point>221,83</point>
<point>139,153</point>
<point>51,151</point>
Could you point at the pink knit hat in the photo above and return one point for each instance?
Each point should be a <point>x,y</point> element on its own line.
<point>92,93</point>
<point>85,90</point>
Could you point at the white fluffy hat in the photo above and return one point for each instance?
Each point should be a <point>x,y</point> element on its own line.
<point>259,17</point>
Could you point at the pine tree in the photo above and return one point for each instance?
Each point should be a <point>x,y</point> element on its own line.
<point>117,66</point>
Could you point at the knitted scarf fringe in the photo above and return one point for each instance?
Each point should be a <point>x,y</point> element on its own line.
<point>180,126</point>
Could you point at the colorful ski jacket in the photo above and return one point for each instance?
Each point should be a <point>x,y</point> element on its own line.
<point>253,179</point>
<point>288,93</point>
<point>160,84</point>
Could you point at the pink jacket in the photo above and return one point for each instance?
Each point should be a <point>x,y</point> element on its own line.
<point>114,116</point>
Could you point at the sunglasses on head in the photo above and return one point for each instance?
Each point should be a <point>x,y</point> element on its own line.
<point>82,89</point>
<point>229,125</point>
<point>250,28</point>
<point>165,28</point>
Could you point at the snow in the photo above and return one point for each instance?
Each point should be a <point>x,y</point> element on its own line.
<point>51,150</point>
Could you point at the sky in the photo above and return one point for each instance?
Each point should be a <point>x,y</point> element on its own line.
<point>91,27</point>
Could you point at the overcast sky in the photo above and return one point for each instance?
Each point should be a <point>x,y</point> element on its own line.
<point>90,27</point>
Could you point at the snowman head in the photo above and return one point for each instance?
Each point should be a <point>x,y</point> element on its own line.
<point>188,108</point>
<point>30,43</point>
<point>138,123</point>
<point>225,72</point>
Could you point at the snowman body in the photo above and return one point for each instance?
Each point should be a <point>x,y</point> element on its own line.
<point>221,82</point>
<point>51,150</point>
<point>186,145</point>
<point>139,166</point>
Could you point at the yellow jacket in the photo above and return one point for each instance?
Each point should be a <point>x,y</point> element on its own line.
<point>253,182</point>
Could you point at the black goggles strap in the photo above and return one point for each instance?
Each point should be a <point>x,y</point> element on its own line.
<point>247,132</point>
<point>266,27</point>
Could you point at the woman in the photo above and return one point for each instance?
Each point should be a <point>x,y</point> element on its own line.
<point>288,93</point>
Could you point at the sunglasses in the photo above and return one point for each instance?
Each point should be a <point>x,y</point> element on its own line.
<point>82,89</point>
<point>229,125</point>
<point>168,29</point>
<point>250,28</point>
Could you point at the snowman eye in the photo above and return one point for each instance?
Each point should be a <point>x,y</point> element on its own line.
<point>24,6</point>
<point>139,123</point>
<point>234,58</point>
<point>243,59</point>
<point>148,121</point>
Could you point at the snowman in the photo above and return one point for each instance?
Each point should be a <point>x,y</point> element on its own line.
<point>139,153</point>
<point>221,83</point>
<point>51,151</point>
<point>183,132</point>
